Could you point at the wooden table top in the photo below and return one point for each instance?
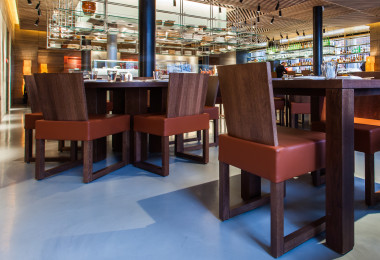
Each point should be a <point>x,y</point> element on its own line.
<point>129,84</point>
<point>327,84</point>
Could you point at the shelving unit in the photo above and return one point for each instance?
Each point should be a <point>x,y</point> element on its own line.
<point>196,34</point>
<point>349,51</point>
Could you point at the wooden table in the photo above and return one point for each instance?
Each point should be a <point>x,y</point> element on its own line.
<point>128,98</point>
<point>339,147</point>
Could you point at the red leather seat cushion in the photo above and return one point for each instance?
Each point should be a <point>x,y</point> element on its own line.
<point>300,108</point>
<point>279,103</point>
<point>96,127</point>
<point>298,152</point>
<point>162,126</point>
<point>30,120</point>
<point>212,111</point>
<point>366,134</point>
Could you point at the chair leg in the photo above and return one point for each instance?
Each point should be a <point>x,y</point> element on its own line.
<point>206,146</point>
<point>224,191</point>
<point>28,145</point>
<point>277,218</point>
<point>125,156</point>
<point>319,177</point>
<point>140,162</point>
<point>61,145</point>
<point>165,155</point>
<point>40,159</point>
<point>294,120</point>
<point>137,147</point>
<point>199,136</point>
<point>216,132</point>
<point>74,150</point>
<point>179,146</point>
<point>370,198</point>
<point>87,161</point>
<point>250,186</point>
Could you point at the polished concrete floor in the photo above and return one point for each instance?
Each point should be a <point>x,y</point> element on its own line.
<point>133,214</point>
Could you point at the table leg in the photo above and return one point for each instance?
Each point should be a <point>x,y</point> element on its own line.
<point>96,104</point>
<point>158,99</point>
<point>340,170</point>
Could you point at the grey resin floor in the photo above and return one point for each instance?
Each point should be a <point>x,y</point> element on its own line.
<point>133,214</point>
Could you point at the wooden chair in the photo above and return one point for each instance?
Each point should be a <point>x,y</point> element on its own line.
<point>261,150</point>
<point>279,105</point>
<point>366,140</point>
<point>185,104</point>
<point>30,122</point>
<point>31,118</point>
<point>212,110</point>
<point>63,102</point>
<point>299,105</point>
<point>291,73</point>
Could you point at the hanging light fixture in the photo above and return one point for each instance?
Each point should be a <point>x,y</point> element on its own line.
<point>324,30</point>
<point>37,22</point>
<point>258,8</point>
<point>241,1</point>
<point>38,5</point>
<point>280,13</point>
<point>287,37</point>
<point>271,21</point>
<point>39,12</point>
<point>297,33</point>
<point>278,5</point>
<point>29,2</point>
<point>220,9</point>
<point>268,39</point>
<point>258,19</point>
<point>303,33</point>
<point>282,37</point>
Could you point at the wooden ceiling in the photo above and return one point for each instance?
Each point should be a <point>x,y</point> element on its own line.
<point>296,14</point>
<point>28,14</point>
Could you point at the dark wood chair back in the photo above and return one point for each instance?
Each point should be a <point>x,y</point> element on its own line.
<point>212,91</point>
<point>367,106</point>
<point>364,74</point>
<point>31,88</point>
<point>248,102</point>
<point>291,73</point>
<point>306,72</point>
<point>62,96</point>
<point>186,94</point>
<point>299,99</point>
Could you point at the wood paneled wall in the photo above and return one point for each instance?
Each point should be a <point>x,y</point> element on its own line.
<point>7,15</point>
<point>375,44</point>
<point>31,45</point>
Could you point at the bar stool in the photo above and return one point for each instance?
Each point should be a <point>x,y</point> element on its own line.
<point>64,106</point>
<point>261,150</point>
<point>184,114</point>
